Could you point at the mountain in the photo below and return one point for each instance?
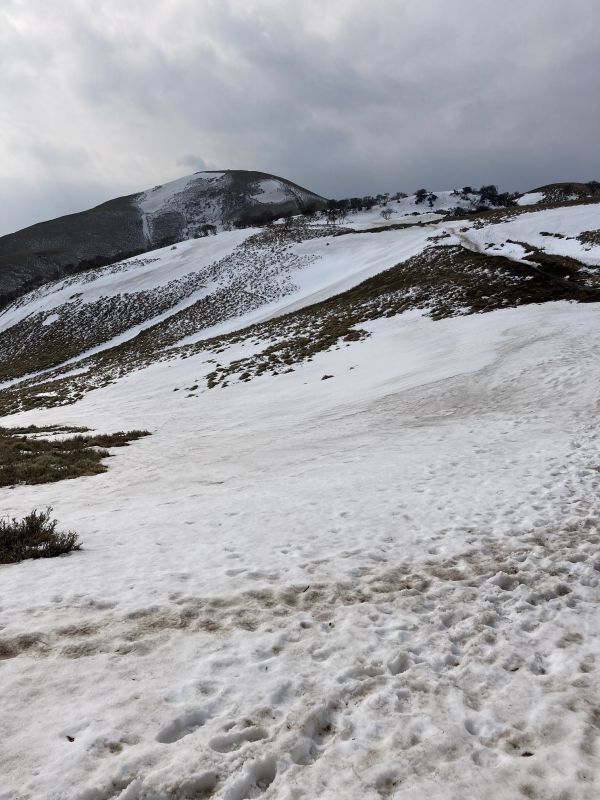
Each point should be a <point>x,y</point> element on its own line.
<point>357,554</point>
<point>144,307</point>
<point>187,208</point>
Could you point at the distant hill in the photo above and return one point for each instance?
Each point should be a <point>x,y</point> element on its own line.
<point>306,283</point>
<point>188,208</point>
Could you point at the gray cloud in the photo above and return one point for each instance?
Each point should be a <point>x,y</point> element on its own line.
<point>346,98</point>
<point>196,163</point>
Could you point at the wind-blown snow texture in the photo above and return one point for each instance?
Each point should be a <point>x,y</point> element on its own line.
<point>379,585</point>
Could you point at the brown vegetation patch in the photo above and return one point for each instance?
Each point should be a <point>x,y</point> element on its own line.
<point>590,237</point>
<point>443,281</point>
<point>25,457</point>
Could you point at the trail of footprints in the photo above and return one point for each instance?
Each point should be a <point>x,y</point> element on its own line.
<point>442,622</point>
<point>443,626</point>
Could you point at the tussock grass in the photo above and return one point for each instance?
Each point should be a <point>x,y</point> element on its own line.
<point>25,457</point>
<point>34,536</point>
<point>35,429</point>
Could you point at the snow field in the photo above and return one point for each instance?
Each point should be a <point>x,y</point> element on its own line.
<point>271,191</point>
<point>530,227</point>
<point>149,271</point>
<point>531,198</point>
<point>377,585</point>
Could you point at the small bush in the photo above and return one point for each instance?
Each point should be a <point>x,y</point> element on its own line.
<point>34,536</point>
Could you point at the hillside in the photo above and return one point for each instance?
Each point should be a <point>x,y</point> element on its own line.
<point>187,208</point>
<point>112,319</point>
<point>356,557</point>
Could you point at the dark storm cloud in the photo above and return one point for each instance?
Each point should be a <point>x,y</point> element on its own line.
<point>103,98</point>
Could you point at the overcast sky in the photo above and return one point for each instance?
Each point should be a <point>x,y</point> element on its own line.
<point>100,98</point>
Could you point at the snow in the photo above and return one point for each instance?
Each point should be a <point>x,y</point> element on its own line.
<point>149,271</point>
<point>407,210</point>
<point>445,200</point>
<point>531,198</point>
<point>271,191</point>
<point>569,221</point>
<point>114,341</point>
<point>377,585</point>
<point>156,199</point>
<point>50,319</point>
<point>345,261</point>
<point>338,263</point>
<point>372,218</point>
<point>168,195</point>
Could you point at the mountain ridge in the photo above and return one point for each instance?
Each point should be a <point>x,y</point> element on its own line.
<point>130,225</point>
<point>267,283</point>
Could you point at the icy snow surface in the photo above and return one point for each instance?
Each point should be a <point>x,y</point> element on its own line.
<point>379,585</point>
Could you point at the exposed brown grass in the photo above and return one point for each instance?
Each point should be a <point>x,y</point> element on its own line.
<point>443,281</point>
<point>590,237</point>
<point>27,457</point>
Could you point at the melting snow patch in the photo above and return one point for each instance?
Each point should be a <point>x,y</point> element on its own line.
<point>531,198</point>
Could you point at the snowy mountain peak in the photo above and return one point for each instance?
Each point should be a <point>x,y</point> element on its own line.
<point>205,202</point>
<point>187,208</point>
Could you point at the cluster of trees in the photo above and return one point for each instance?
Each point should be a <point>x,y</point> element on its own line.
<point>488,195</point>
<point>338,210</point>
<point>421,195</point>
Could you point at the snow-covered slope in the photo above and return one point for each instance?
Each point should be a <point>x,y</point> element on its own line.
<point>203,287</point>
<point>356,558</point>
<point>193,206</point>
<point>557,231</point>
<point>430,208</point>
<point>381,584</point>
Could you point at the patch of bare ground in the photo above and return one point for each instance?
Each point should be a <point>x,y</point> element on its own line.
<point>27,457</point>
